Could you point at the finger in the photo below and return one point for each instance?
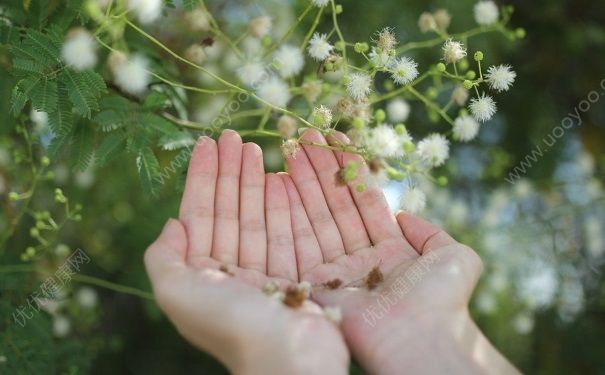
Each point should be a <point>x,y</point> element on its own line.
<point>168,252</point>
<point>375,212</point>
<point>313,199</point>
<point>421,234</point>
<point>252,229</point>
<point>306,247</point>
<point>226,205</point>
<point>281,260</point>
<point>338,197</point>
<point>197,206</point>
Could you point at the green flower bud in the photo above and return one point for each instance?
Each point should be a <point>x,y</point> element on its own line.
<point>30,251</point>
<point>346,79</point>
<point>45,161</point>
<point>34,232</point>
<point>361,47</point>
<point>441,67</point>
<point>400,129</point>
<point>40,224</point>
<point>360,188</point>
<point>478,56</point>
<point>380,115</point>
<point>395,174</point>
<point>463,64</point>
<point>431,93</point>
<point>358,123</point>
<point>77,217</point>
<point>13,196</point>
<point>442,180</point>
<point>266,40</point>
<point>471,74</point>
<point>520,33</point>
<point>467,84</point>
<point>338,9</point>
<point>339,46</point>
<point>388,85</point>
<point>409,147</point>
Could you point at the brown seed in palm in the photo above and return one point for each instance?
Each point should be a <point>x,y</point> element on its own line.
<point>333,284</point>
<point>295,297</point>
<point>374,278</point>
<point>225,269</point>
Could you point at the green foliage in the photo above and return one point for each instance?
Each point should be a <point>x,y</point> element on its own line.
<point>44,80</point>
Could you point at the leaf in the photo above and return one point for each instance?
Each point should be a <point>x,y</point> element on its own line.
<point>110,148</point>
<point>190,4</point>
<point>176,140</point>
<point>59,143</point>
<point>43,43</point>
<point>81,92</point>
<point>158,123</point>
<point>148,168</point>
<point>60,121</point>
<point>18,100</point>
<point>82,146</point>
<point>156,100</point>
<point>44,96</point>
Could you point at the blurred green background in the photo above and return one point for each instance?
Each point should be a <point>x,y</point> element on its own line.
<point>547,223</point>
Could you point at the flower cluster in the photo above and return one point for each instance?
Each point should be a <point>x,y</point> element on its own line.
<point>316,79</point>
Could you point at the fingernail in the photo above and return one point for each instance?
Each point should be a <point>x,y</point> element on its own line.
<point>301,130</point>
<point>225,131</point>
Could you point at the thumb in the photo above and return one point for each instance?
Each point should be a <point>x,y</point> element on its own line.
<point>168,251</point>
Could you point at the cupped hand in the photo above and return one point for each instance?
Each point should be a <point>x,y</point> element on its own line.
<point>403,285</point>
<point>208,267</point>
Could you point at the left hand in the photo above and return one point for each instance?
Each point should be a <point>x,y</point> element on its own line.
<point>226,223</point>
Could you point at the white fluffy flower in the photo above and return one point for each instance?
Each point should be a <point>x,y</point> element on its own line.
<point>482,108</point>
<point>260,26</point>
<point>290,60</point>
<point>486,12</point>
<point>413,200</point>
<point>275,91</point>
<point>359,86</point>
<point>322,116</point>
<point>501,77</point>
<point>146,11</point>
<point>131,74</point>
<point>398,110</point>
<point>379,57</point>
<point>320,3</point>
<point>383,141</point>
<point>86,297</point>
<point>251,73</point>
<point>404,70</point>
<point>453,51</point>
<point>523,323</point>
<point>79,50</point>
<point>39,118</point>
<point>61,326</point>
<point>465,128</point>
<point>319,48</point>
<point>198,20</point>
<point>434,149</point>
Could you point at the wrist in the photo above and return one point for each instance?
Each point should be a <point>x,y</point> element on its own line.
<point>288,354</point>
<point>433,344</point>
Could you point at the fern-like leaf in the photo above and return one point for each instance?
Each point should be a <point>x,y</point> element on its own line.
<point>82,146</point>
<point>148,168</point>
<point>110,148</point>
<point>61,120</point>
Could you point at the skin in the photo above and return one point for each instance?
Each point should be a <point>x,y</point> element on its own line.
<point>228,316</point>
<point>303,226</point>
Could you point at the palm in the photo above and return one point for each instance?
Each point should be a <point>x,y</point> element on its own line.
<point>207,268</point>
<point>341,238</point>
